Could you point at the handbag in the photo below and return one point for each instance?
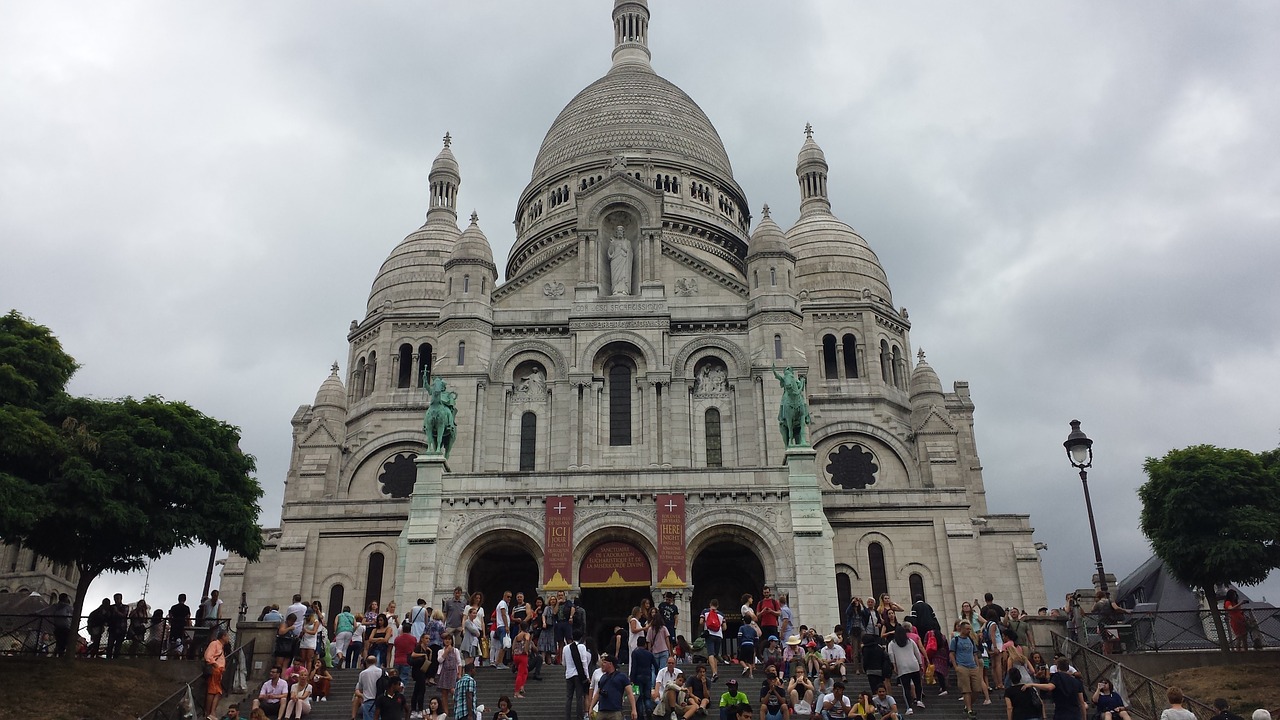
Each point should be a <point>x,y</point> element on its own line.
<point>930,675</point>
<point>506,642</point>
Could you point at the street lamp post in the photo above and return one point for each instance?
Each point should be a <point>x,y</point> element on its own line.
<point>1080,453</point>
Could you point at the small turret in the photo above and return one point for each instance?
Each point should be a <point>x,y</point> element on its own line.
<point>331,398</point>
<point>770,262</point>
<point>470,270</point>
<point>630,32</point>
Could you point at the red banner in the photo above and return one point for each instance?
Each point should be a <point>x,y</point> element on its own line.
<point>557,557</point>
<point>614,564</point>
<point>671,556</point>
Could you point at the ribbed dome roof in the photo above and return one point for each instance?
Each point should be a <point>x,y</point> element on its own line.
<point>832,259</point>
<point>331,394</point>
<point>413,274</point>
<point>632,108</point>
<point>924,381</point>
<point>473,245</point>
<point>768,237</point>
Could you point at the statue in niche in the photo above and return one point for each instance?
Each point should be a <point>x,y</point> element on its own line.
<point>620,262</point>
<point>712,380</point>
<point>534,383</point>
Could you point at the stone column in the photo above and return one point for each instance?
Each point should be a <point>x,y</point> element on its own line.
<point>815,561</point>
<point>416,564</point>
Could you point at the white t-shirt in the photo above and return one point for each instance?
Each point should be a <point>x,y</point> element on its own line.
<point>566,657</point>
<point>719,632</point>
<point>1054,668</point>
<point>503,613</point>
<point>747,612</point>
<point>665,677</point>
<point>883,707</point>
<point>832,652</point>
<point>300,611</point>
<point>845,702</point>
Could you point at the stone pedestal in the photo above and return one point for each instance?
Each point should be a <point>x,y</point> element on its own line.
<point>416,566</point>
<point>815,560</point>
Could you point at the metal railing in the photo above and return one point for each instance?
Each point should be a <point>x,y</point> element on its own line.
<point>187,702</point>
<point>1158,631</point>
<point>1144,697</point>
<point>37,634</point>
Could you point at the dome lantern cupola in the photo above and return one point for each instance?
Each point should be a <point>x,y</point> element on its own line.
<point>331,398</point>
<point>444,181</point>
<point>630,32</point>
<point>811,171</point>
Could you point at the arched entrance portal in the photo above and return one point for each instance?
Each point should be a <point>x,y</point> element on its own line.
<point>503,566</point>
<point>615,576</point>
<point>725,570</point>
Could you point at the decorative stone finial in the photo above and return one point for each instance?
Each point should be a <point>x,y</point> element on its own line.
<point>764,212</point>
<point>808,131</point>
<point>448,140</point>
<point>475,218</point>
<point>334,367</point>
<point>920,354</point>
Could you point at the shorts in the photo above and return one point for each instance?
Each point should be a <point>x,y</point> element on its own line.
<point>968,679</point>
<point>747,653</point>
<point>214,686</point>
<point>713,644</point>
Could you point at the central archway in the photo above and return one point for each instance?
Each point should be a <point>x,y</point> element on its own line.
<point>725,570</point>
<point>614,576</point>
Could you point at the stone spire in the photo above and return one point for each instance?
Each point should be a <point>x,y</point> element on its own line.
<point>811,171</point>
<point>444,181</point>
<point>630,32</point>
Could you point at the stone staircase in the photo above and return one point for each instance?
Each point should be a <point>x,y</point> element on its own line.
<point>545,700</point>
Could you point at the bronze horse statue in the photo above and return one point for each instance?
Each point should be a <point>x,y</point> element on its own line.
<point>793,414</point>
<point>439,423</point>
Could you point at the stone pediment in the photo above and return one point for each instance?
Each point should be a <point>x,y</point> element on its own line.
<point>319,434</point>
<point>935,422</point>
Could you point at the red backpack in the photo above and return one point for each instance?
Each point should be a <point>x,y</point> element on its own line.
<point>713,621</point>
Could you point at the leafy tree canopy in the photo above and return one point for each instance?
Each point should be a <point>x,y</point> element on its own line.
<point>1213,515</point>
<point>107,484</point>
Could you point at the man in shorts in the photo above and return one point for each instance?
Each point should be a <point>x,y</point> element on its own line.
<point>966,658</point>
<point>713,623</point>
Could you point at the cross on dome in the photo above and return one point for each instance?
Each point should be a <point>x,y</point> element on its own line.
<point>808,131</point>
<point>764,211</point>
<point>448,140</point>
<point>334,368</point>
<point>475,217</point>
<point>921,354</point>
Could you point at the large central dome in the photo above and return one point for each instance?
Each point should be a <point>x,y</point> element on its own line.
<point>632,108</point>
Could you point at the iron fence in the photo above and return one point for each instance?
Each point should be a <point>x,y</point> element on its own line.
<point>187,702</point>
<point>39,634</point>
<point>1255,628</point>
<point>1144,697</point>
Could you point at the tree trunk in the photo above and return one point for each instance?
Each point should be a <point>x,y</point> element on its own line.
<point>87,576</point>
<point>1223,641</point>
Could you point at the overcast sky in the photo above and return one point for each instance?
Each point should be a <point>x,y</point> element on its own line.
<point>1078,202</point>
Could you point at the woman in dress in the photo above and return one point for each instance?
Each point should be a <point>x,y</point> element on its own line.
<point>307,645</point>
<point>547,640</point>
<point>521,648</point>
<point>299,697</point>
<point>1235,618</point>
<point>450,661</point>
<point>635,630</point>
<point>380,640</point>
<point>1110,705</point>
<point>393,620</point>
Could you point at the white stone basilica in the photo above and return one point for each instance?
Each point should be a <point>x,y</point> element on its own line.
<point>617,406</point>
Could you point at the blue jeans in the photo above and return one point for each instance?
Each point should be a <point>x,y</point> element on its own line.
<point>405,672</point>
<point>366,709</point>
<point>662,658</point>
<point>380,652</point>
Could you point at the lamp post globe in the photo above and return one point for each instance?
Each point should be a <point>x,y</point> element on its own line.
<point>1080,453</point>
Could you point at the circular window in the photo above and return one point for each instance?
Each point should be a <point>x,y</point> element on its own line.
<point>398,475</point>
<point>852,466</point>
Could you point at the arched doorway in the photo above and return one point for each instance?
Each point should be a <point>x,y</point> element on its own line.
<point>725,570</point>
<point>503,565</point>
<point>614,576</point>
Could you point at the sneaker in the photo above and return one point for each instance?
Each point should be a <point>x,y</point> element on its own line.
<point>910,711</point>
<point>803,708</point>
<point>971,714</point>
<point>324,699</point>
<point>920,703</point>
<point>987,701</point>
<point>942,694</point>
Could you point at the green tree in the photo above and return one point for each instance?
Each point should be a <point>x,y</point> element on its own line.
<point>1212,517</point>
<point>108,484</point>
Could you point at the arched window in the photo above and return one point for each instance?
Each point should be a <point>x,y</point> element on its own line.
<point>462,352</point>
<point>829,367</point>
<point>875,563</point>
<point>620,404</point>
<point>715,457</point>
<point>371,373</point>
<point>916,583</point>
<point>373,581</point>
<point>424,364</point>
<point>755,278</point>
<point>773,276</point>
<point>897,367</point>
<point>844,595</point>
<point>466,284</point>
<point>358,379</point>
<point>850,351</point>
<point>885,373</point>
<point>777,347</point>
<point>34,560</point>
<point>404,377</point>
<point>336,596</point>
<point>528,440</point>
<point>484,285</point>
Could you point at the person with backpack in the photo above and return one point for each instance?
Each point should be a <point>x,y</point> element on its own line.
<point>713,631</point>
<point>966,657</point>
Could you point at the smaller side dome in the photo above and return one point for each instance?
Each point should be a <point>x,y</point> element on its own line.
<point>473,246</point>
<point>926,388</point>
<point>331,395</point>
<point>768,238</point>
